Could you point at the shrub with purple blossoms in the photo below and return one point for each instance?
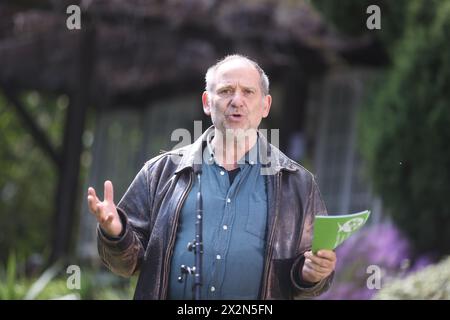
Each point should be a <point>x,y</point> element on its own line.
<point>381,245</point>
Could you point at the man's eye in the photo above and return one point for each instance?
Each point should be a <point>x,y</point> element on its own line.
<point>225,91</point>
<point>248,91</point>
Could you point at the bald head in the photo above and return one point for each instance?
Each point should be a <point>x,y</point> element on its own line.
<point>237,59</point>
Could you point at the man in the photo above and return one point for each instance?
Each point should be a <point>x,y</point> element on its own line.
<point>258,210</point>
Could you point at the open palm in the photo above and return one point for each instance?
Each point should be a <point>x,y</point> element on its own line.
<point>105,211</point>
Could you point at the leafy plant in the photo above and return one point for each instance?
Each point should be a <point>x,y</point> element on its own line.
<point>405,131</point>
<point>28,177</point>
<point>52,284</point>
<point>9,288</point>
<point>432,282</point>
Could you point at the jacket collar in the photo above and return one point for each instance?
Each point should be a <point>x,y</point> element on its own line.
<point>272,159</point>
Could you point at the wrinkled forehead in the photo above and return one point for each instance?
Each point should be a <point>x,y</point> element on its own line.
<point>237,70</point>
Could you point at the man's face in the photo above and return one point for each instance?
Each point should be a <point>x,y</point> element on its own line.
<point>236,100</point>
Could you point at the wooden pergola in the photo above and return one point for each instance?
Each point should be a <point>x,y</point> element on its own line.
<point>130,52</point>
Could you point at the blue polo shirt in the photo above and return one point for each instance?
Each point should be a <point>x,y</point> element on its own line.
<point>234,231</point>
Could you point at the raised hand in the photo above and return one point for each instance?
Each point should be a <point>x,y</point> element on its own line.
<point>105,211</point>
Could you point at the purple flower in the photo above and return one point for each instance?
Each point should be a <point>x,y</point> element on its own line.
<point>380,245</point>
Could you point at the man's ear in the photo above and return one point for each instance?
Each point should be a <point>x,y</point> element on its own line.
<point>206,103</point>
<point>267,102</point>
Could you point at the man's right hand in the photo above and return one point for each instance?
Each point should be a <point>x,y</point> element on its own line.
<point>105,211</point>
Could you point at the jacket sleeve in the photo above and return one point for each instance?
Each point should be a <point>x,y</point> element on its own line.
<point>123,255</point>
<point>314,206</point>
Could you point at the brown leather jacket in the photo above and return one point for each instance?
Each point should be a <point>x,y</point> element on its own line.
<point>150,217</point>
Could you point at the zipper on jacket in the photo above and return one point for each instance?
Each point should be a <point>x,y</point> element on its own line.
<point>272,232</point>
<point>172,238</point>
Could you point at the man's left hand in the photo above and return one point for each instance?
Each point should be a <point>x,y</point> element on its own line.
<point>318,266</point>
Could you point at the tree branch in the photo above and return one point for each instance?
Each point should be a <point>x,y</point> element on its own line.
<point>39,136</point>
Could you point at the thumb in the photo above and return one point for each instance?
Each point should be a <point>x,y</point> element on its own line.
<point>109,192</point>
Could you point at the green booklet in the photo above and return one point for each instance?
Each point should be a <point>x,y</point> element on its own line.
<point>331,231</point>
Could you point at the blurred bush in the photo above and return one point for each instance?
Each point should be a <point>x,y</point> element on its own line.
<point>394,15</point>
<point>10,288</point>
<point>380,245</point>
<point>405,130</point>
<point>432,282</point>
<point>15,284</point>
<point>27,177</point>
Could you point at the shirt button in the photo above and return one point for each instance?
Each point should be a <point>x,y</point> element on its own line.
<point>218,257</point>
<point>222,173</point>
<point>225,227</point>
<point>212,289</point>
<point>228,200</point>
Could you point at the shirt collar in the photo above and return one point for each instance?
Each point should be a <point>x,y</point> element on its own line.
<point>251,157</point>
<point>271,158</point>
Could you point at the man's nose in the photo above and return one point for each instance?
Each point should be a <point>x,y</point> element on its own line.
<point>238,99</point>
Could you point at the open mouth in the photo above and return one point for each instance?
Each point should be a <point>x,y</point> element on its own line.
<point>235,117</point>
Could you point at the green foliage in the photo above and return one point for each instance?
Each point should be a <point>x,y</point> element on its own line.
<point>397,17</point>
<point>103,285</point>
<point>52,284</point>
<point>338,13</point>
<point>9,288</point>
<point>14,285</point>
<point>350,17</point>
<point>432,282</point>
<point>27,177</point>
<point>405,130</point>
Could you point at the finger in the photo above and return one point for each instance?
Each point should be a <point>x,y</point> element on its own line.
<point>324,258</point>
<point>92,204</point>
<point>109,193</point>
<point>309,275</point>
<point>308,254</point>
<point>103,219</point>
<point>319,264</point>
<point>109,218</point>
<point>312,275</point>
<point>316,268</point>
<point>103,215</point>
<point>327,254</point>
<point>324,263</point>
<point>101,212</point>
<point>91,192</point>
